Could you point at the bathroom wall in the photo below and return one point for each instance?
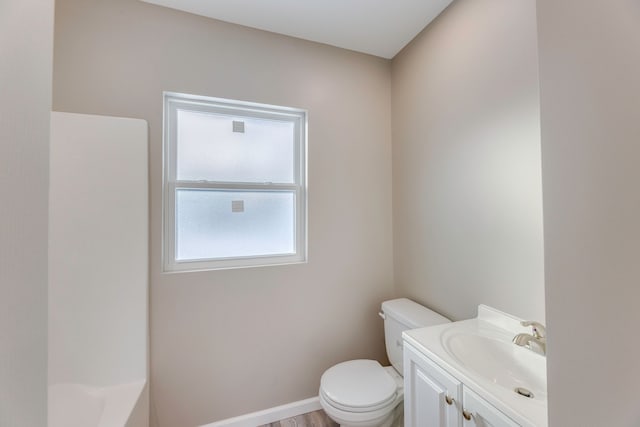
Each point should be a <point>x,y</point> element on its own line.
<point>26,50</point>
<point>590,99</point>
<point>466,162</point>
<point>228,342</point>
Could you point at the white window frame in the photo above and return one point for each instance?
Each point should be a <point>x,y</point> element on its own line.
<point>177,101</point>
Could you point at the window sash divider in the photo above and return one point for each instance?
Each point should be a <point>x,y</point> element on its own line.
<point>197,185</point>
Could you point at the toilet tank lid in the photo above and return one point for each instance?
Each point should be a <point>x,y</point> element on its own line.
<point>412,314</point>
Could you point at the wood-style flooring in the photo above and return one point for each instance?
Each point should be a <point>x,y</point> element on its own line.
<point>312,419</point>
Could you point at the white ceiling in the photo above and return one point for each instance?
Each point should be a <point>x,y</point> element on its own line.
<point>376,27</point>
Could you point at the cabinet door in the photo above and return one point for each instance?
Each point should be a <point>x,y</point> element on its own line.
<point>482,413</point>
<point>427,387</point>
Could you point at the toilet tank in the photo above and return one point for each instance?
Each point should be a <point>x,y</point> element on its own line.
<point>402,314</point>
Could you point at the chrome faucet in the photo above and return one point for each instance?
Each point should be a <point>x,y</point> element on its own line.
<point>536,342</point>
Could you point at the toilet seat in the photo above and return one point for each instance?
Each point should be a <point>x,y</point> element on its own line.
<point>359,386</point>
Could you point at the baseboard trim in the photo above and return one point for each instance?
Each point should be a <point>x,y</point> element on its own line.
<point>270,415</point>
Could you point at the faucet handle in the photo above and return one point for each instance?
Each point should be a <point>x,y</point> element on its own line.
<point>539,331</point>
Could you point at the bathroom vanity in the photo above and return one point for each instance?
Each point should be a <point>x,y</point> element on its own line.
<point>470,373</point>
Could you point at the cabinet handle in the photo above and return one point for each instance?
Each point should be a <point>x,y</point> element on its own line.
<point>466,415</point>
<point>448,399</point>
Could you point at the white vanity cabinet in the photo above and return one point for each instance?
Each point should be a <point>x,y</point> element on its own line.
<point>431,395</point>
<point>435,398</point>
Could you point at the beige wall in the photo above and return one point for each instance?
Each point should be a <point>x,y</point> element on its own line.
<point>589,68</point>
<point>467,200</point>
<point>224,343</point>
<point>26,50</point>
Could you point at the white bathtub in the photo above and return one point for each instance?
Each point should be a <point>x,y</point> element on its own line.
<point>77,405</point>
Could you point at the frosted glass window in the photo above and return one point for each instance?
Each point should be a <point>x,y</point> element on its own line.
<point>208,227</point>
<point>209,149</point>
<point>234,184</point>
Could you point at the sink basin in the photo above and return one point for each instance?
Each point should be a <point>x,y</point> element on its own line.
<point>498,360</point>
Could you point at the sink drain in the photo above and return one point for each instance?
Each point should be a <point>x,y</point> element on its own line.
<point>524,392</point>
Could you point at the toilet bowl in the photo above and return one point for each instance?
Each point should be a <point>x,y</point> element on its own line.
<point>363,393</point>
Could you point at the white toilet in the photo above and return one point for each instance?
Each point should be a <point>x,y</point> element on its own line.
<point>363,393</point>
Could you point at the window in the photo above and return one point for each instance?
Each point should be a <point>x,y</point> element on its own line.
<point>234,184</point>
